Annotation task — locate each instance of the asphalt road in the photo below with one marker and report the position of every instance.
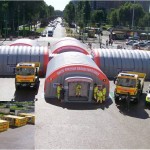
(91, 126)
(18, 138)
(61, 125)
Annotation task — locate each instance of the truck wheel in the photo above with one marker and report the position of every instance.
(137, 99)
(116, 99)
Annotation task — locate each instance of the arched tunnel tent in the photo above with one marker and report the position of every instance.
(69, 45)
(24, 42)
(66, 39)
(11, 55)
(112, 61)
(70, 68)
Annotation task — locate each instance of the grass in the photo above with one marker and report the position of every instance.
(39, 30)
(17, 108)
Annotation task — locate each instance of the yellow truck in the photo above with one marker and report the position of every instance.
(129, 83)
(4, 125)
(27, 74)
(30, 117)
(15, 121)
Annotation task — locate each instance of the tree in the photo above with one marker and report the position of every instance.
(69, 13)
(97, 16)
(86, 12)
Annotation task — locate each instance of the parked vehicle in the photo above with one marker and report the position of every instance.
(131, 42)
(27, 74)
(131, 83)
(147, 43)
(43, 34)
(140, 44)
(134, 38)
(50, 33)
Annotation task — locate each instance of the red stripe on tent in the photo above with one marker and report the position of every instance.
(75, 68)
(20, 44)
(46, 60)
(96, 57)
(75, 48)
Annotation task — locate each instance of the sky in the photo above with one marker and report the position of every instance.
(57, 4)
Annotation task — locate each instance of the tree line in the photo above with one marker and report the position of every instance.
(26, 13)
(81, 13)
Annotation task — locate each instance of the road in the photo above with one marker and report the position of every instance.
(92, 126)
(18, 138)
(72, 125)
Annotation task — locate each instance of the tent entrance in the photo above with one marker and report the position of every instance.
(85, 92)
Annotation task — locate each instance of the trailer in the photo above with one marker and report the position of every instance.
(70, 68)
(4, 125)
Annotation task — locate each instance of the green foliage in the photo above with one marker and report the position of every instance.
(97, 16)
(69, 13)
(16, 13)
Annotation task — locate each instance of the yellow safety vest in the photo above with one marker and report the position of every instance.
(95, 89)
(58, 89)
(104, 91)
(78, 87)
(99, 94)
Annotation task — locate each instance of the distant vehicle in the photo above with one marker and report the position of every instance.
(43, 34)
(134, 38)
(50, 33)
(131, 42)
(147, 43)
(140, 44)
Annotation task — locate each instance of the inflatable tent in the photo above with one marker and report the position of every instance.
(11, 55)
(24, 42)
(112, 61)
(70, 68)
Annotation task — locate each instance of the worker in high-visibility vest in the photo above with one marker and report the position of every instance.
(99, 96)
(59, 88)
(95, 91)
(78, 89)
(104, 92)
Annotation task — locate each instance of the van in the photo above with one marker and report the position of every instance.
(50, 33)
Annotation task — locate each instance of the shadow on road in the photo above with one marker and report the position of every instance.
(135, 110)
(80, 105)
(25, 94)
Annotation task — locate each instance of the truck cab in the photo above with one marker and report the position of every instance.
(129, 83)
(27, 74)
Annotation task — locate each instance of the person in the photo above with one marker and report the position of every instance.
(95, 91)
(59, 88)
(78, 89)
(106, 43)
(62, 93)
(99, 96)
(90, 45)
(128, 101)
(104, 92)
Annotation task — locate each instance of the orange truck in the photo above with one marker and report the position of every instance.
(129, 83)
(27, 74)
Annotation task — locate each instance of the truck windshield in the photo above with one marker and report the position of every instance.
(126, 82)
(25, 71)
